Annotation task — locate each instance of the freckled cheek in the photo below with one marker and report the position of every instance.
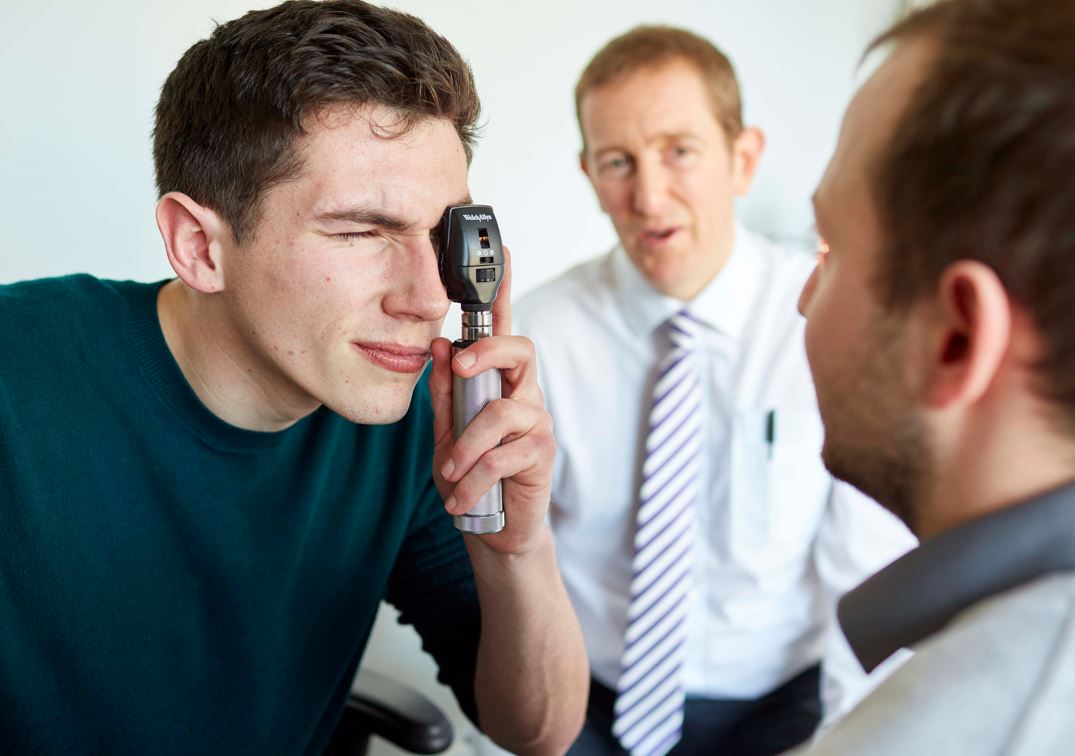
(366, 282)
(297, 301)
(282, 268)
(291, 301)
(344, 297)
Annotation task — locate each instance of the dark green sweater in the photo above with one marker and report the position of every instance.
(172, 584)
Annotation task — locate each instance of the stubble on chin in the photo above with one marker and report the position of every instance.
(890, 470)
(875, 437)
(374, 405)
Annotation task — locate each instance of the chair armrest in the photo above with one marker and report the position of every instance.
(381, 706)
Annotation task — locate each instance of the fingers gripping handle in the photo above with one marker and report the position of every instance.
(469, 396)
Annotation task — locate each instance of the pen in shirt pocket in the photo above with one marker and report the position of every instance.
(770, 431)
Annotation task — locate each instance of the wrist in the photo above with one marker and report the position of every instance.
(493, 557)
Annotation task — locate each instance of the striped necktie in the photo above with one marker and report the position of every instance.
(648, 713)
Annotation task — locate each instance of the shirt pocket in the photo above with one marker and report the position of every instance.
(778, 488)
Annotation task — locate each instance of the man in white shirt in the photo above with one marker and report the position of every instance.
(701, 539)
(941, 338)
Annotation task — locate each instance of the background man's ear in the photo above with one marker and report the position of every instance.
(972, 334)
(195, 239)
(747, 150)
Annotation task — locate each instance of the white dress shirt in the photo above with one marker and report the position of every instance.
(777, 541)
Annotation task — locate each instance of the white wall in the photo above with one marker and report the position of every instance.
(79, 82)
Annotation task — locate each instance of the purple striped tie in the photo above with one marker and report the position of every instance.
(648, 714)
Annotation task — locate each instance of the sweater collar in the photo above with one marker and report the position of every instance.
(163, 374)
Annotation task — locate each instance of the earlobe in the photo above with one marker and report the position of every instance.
(194, 237)
(974, 333)
(746, 155)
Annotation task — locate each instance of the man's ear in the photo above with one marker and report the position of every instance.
(746, 155)
(971, 334)
(195, 239)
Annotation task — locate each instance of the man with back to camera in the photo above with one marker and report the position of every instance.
(208, 484)
(940, 336)
(701, 540)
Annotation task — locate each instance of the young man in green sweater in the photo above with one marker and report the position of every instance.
(207, 485)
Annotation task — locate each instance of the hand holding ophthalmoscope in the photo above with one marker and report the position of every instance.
(510, 440)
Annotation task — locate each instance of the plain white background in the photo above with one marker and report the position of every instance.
(79, 82)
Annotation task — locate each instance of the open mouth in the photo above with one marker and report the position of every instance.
(658, 235)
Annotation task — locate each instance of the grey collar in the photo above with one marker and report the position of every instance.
(917, 595)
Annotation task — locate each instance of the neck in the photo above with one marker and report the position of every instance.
(994, 463)
(229, 378)
(720, 258)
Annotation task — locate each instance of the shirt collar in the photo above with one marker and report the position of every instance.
(724, 304)
(919, 593)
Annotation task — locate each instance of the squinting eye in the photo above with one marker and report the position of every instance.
(354, 235)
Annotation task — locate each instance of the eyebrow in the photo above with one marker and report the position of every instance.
(365, 216)
(607, 150)
(368, 216)
(668, 136)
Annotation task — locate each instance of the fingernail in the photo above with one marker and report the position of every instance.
(448, 469)
(465, 359)
(449, 505)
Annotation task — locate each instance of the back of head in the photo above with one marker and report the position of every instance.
(982, 163)
(648, 47)
(229, 113)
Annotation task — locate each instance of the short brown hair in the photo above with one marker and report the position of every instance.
(982, 166)
(231, 110)
(652, 46)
